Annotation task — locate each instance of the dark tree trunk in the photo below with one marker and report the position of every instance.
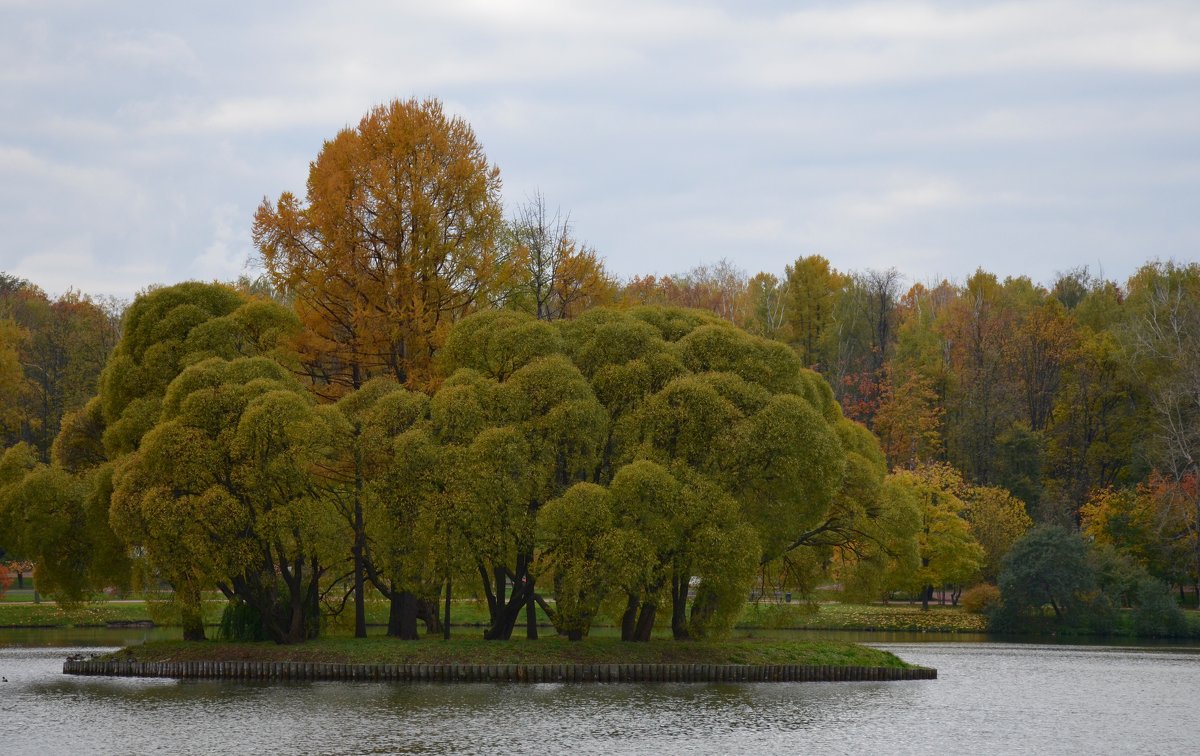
(193, 625)
(505, 612)
(427, 612)
(926, 594)
(574, 635)
(629, 619)
(402, 616)
(645, 623)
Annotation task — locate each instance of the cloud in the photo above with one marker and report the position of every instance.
(920, 133)
(224, 259)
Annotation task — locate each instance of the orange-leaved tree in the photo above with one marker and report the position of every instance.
(396, 239)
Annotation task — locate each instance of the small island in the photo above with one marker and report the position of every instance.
(472, 660)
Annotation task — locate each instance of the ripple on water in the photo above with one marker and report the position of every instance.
(989, 698)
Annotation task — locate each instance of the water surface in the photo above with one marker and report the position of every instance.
(989, 698)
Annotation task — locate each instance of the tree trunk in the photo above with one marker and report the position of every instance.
(360, 607)
(926, 594)
(193, 625)
(427, 612)
(574, 635)
(402, 616)
(645, 623)
(629, 619)
(446, 621)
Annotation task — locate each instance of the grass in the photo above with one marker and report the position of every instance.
(95, 613)
(882, 617)
(551, 650)
(471, 614)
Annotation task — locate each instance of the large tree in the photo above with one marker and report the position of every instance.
(396, 238)
(1164, 337)
(220, 493)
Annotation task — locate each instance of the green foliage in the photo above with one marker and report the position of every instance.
(579, 553)
(1049, 567)
(220, 491)
(1156, 614)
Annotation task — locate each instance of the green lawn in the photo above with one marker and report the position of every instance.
(550, 650)
(469, 615)
(890, 617)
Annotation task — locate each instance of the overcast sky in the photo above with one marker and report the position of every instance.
(137, 138)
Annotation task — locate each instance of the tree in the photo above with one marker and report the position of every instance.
(585, 555)
(1047, 567)
(220, 494)
(1164, 337)
(386, 483)
(981, 404)
(1043, 341)
(909, 422)
(530, 427)
(767, 300)
(997, 520)
(559, 275)
(1150, 523)
(51, 354)
(812, 286)
(165, 331)
(1096, 426)
(397, 239)
(948, 552)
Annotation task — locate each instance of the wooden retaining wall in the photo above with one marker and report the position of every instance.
(534, 673)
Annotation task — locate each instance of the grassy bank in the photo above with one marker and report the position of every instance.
(868, 617)
(470, 615)
(553, 650)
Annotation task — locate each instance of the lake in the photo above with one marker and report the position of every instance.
(989, 698)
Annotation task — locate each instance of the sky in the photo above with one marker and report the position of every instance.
(1026, 138)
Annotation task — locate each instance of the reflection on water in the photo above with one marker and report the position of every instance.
(49, 637)
(989, 698)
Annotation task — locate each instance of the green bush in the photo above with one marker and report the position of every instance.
(1156, 613)
(982, 599)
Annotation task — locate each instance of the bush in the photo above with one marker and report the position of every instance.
(1156, 613)
(982, 599)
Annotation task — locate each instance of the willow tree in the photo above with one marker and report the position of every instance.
(747, 460)
(220, 493)
(526, 426)
(394, 241)
(164, 331)
(388, 481)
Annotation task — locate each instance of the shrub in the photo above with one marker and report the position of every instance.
(982, 599)
(1156, 613)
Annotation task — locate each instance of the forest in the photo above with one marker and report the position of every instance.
(425, 395)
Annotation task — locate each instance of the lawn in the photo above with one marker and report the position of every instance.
(549, 650)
